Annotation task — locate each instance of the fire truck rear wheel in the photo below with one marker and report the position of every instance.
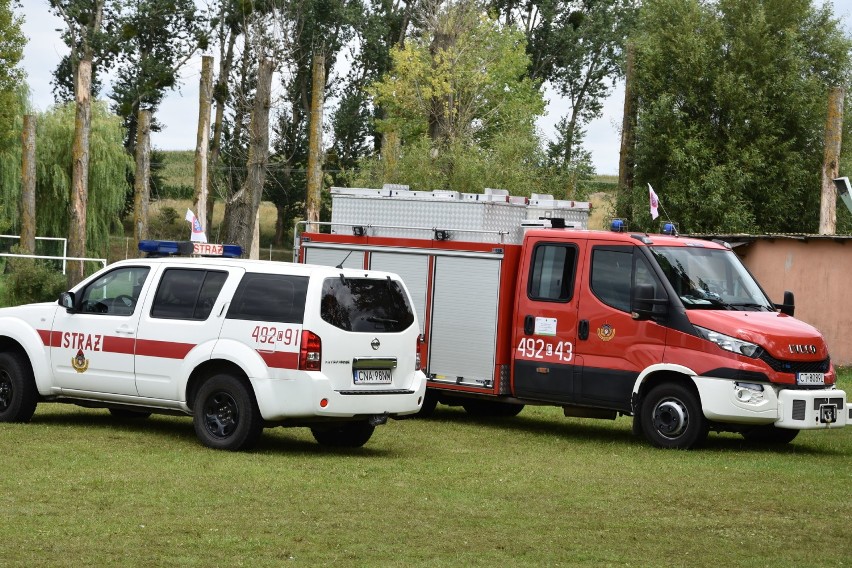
(671, 417)
(769, 434)
(18, 393)
(225, 414)
(343, 435)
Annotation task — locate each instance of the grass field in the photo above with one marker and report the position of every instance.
(82, 489)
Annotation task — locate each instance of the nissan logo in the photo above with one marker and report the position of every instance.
(375, 344)
(803, 349)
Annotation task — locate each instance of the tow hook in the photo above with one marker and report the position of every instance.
(378, 419)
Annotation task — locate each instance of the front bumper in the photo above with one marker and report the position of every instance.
(737, 402)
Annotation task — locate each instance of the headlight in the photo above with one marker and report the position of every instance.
(729, 343)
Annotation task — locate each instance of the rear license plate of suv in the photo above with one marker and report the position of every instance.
(810, 378)
(372, 376)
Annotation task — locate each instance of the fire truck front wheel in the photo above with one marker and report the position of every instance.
(225, 414)
(18, 393)
(671, 417)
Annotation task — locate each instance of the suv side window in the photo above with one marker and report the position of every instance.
(187, 293)
(270, 297)
(612, 271)
(114, 293)
(365, 304)
(552, 272)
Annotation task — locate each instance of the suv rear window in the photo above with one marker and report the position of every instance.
(365, 304)
(270, 297)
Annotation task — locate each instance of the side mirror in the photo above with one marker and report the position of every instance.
(66, 300)
(643, 303)
(789, 304)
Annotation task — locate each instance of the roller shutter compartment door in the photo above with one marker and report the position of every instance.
(464, 319)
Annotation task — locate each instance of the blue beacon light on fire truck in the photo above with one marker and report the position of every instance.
(187, 248)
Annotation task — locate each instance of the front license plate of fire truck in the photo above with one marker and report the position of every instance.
(810, 378)
(372, 376)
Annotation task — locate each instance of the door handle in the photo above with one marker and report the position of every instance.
(529, 325)
(583, 330)
(125, 331)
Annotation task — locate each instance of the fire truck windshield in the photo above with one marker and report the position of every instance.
(710, 279)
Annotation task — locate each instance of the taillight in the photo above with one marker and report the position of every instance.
(310, 353)
(417, 352)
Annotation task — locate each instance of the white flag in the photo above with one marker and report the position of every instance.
(655, 202)
(197, 232)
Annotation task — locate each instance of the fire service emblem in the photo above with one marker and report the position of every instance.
(606, 332)
(79, 362)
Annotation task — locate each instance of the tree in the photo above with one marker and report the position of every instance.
(13, 98)
(577, 46)
(107, 173)
(463, 108)
(731, 110)
(155, 39)
(314, 26)
(383, 26)
(84, 35)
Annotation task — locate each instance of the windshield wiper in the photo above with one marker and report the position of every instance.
(706, 303)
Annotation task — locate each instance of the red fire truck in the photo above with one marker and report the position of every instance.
(519, 304)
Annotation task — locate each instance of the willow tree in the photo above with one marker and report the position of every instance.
(12, 100)
(109, 165)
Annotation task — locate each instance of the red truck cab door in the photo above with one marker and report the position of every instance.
(617, 347)
(545, 323)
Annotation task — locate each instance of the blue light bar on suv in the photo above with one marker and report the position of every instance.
(186, 248)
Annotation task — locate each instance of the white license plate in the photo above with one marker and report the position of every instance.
(810, 378)
(372, 376)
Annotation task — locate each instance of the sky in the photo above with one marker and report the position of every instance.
(179, 111)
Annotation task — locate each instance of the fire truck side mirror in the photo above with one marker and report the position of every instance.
(788, 307)
(643, 302)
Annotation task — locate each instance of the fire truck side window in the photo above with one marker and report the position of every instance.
(552, 272)
(187, 293)
(270, 297)
(611, 276)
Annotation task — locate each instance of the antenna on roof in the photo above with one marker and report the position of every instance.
(345, 258)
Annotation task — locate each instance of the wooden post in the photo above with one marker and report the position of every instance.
(626, 163)
(141, 185)
(314, 196)
(28, 185)
(202, 146)
(831, 162)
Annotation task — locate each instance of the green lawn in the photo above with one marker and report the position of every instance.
(80, 488)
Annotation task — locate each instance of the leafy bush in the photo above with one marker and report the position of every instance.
(168, 215)
(28, 280)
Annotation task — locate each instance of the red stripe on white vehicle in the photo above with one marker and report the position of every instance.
(280, 359)
(164, 349)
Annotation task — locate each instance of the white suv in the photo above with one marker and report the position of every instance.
(238, 344)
